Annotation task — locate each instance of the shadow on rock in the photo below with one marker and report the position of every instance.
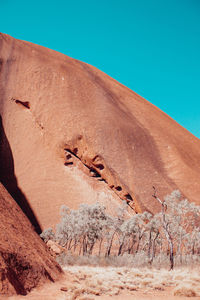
(9, 180)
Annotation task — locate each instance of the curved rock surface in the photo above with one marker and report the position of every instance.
(75, 135)
(24, 260)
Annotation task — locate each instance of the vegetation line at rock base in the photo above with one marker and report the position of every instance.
(171, 236)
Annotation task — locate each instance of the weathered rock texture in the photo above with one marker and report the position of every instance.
(24, 260)
(76, 135)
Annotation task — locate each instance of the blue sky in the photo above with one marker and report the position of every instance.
(151, 46)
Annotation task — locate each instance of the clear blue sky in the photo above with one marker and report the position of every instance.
(151, 46)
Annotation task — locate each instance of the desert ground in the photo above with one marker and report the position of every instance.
(91, 283)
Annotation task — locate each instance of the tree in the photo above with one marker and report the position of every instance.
(176, 228)
(165, 225)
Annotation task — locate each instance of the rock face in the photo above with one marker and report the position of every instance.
(24, 260)
(72, 135)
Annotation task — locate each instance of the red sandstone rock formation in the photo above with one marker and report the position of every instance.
(72, 134)
(24, 260)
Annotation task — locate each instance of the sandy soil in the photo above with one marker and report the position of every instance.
(87, 283)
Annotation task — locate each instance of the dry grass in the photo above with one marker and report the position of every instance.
(92, 283)
(112, 281)
(139, 260)
(185, 290)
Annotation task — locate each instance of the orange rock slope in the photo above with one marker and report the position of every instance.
(73, 135)
(24, 260)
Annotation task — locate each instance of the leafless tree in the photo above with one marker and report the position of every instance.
(165, 226)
